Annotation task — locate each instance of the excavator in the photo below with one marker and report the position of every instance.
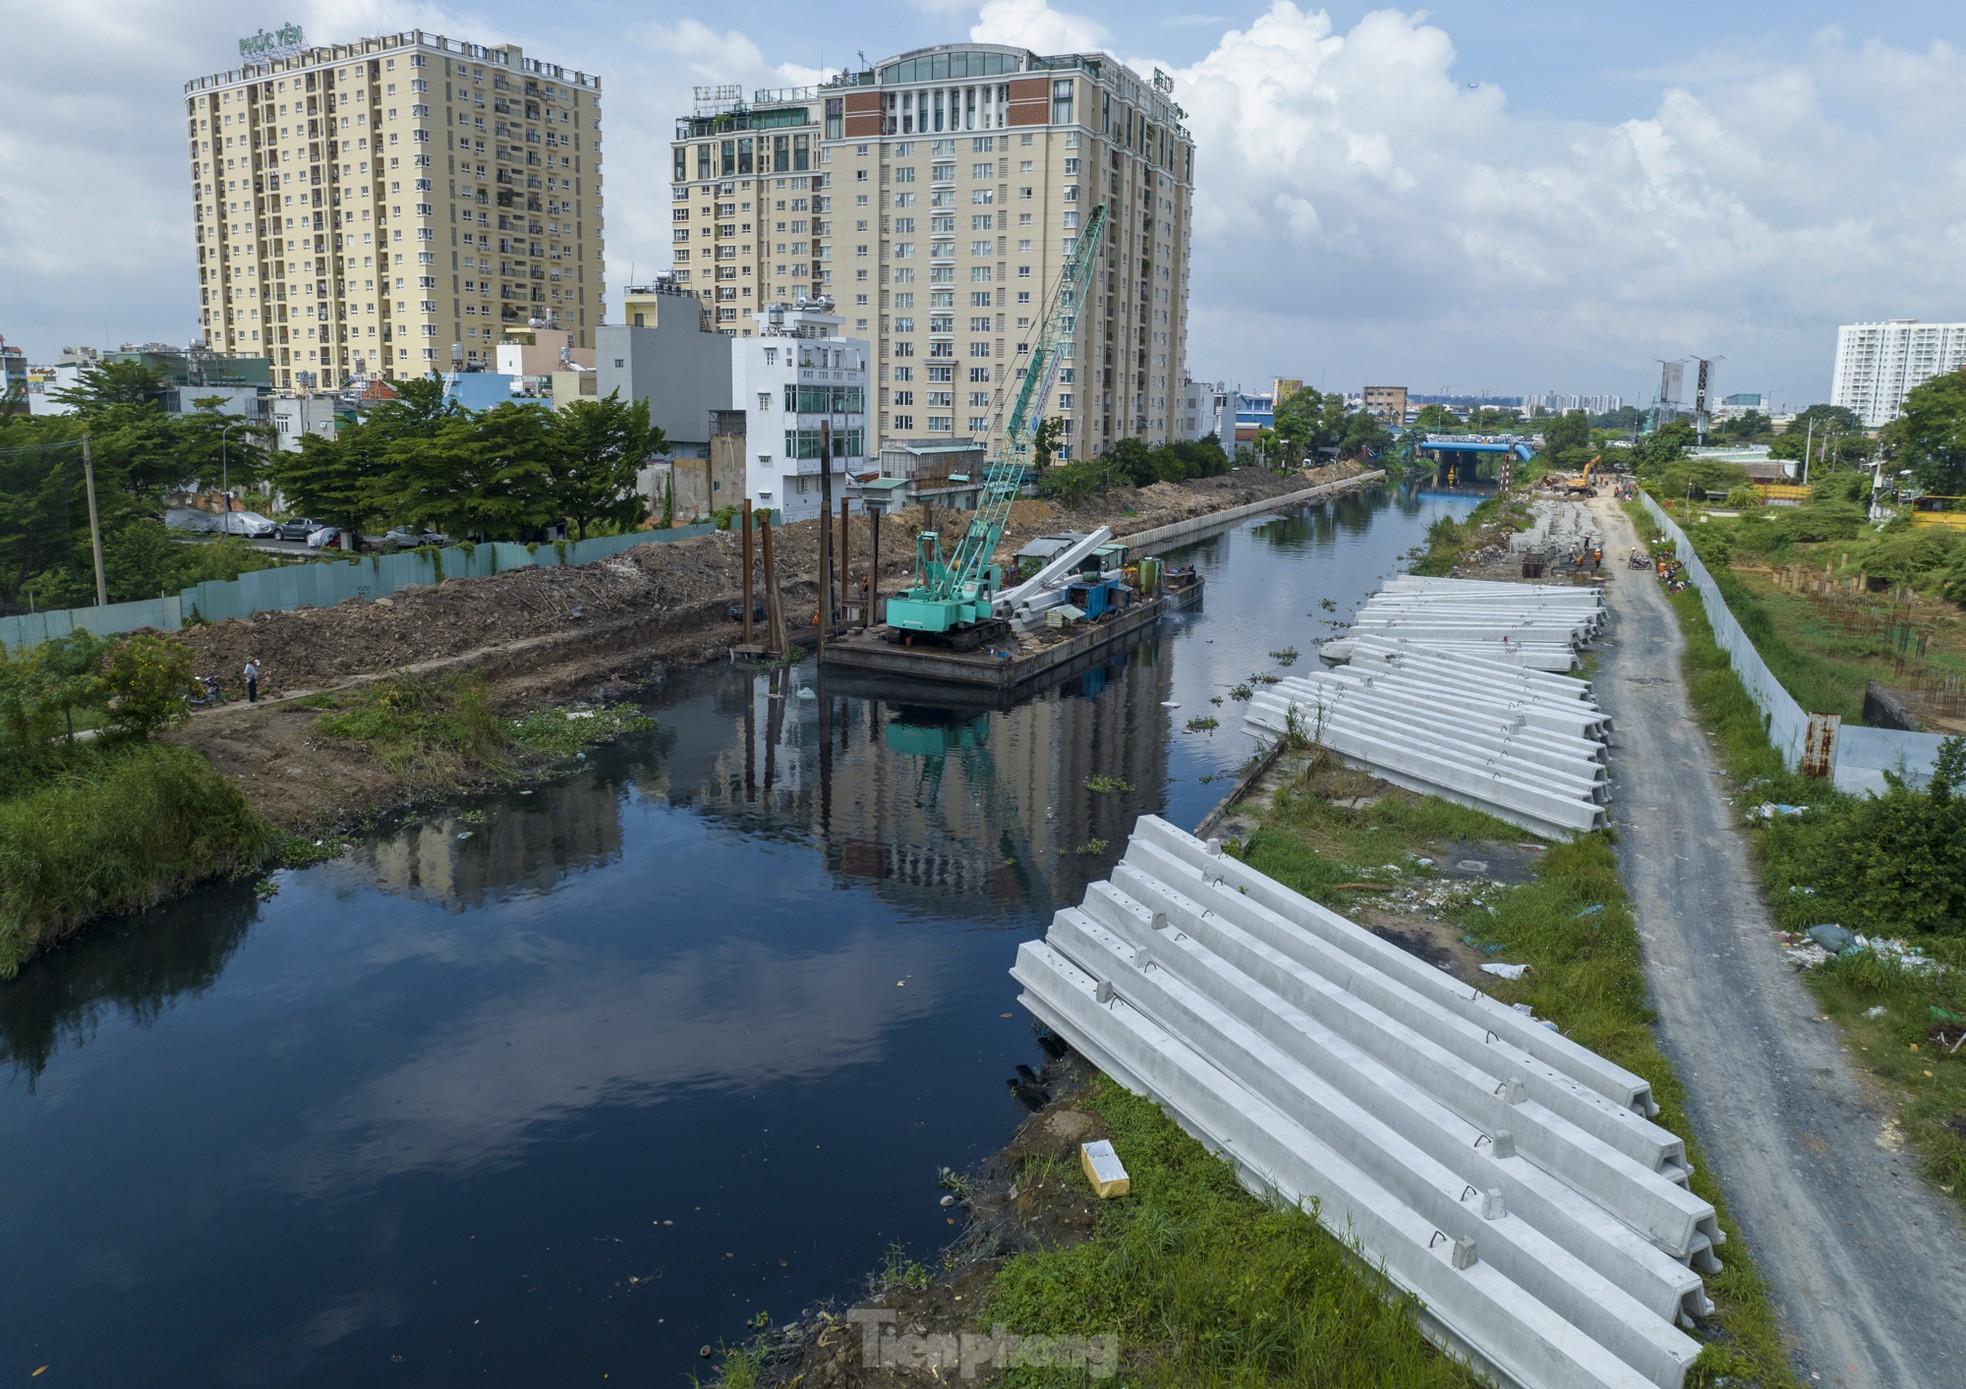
(1580, 486)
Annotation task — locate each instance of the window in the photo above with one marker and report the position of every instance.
(979, 274)
(979, 400)
(982, 221)
(904, 226)
(940, 424)
(904, 324)
(1024, 166)
(908, 373)
(982, 197)
(979, 374)
(904, 423)
(979, 299)
(979, 424)
(980, 324)
(984, 144)
(941, 374)
(1023, 219)
(904, 174)
(907, 349)
(944, 400)
(904, 397)
(941, 349)
(942, 173)
(1024, 271)
(979, 349)
(980, 248)
(904, 199)
(987, 169)
(1071, 166)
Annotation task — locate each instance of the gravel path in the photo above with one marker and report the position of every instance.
(1867, 1263)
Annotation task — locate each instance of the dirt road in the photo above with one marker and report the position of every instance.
(1866, 1262)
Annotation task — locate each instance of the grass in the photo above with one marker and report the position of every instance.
(1206, 1285)
(120, 827)
(1449, 541)
(1929, 1083)
(440, 734)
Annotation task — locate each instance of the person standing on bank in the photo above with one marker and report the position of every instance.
(252, 681)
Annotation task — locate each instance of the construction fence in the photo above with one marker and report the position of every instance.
(1855, 757)
(321, 585)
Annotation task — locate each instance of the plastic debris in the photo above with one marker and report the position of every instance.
(1876, 1010)
(805, 692)
(1589, 911)
(1506, 971)
(1768, 810)
(1831, 937)
(465, 835)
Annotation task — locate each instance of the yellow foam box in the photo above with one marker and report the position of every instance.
(1103, 1169)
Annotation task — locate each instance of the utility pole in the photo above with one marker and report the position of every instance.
(1808, 442)
(825, 534)
(95, 525)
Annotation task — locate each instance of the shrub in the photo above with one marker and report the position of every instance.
(146, 677)
(122, 828)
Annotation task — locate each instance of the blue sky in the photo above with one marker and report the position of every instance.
(1532, 196)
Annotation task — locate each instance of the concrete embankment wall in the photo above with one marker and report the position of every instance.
(320, 585)
(1858, 757)
(1196, 525)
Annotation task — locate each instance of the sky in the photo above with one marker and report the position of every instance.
(1547, 195)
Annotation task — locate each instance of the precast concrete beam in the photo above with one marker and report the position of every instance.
(1471, 1306)
(1628, 1089)
(1630, 1307)
(1320, 1009)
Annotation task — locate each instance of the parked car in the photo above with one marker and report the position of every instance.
(326, 538)
(250, 524)
(408, 538)
(296, 530)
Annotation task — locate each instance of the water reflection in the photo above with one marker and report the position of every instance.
(136, 967)
(433, 1105)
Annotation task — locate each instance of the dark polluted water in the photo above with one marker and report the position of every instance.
(569, 1083)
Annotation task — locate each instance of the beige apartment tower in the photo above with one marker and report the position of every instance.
(934, 197)
(394, 206)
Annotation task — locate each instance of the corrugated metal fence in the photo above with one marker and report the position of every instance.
(1858, 756)
(321, 585)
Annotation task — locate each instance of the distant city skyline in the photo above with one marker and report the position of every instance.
(1553, 193)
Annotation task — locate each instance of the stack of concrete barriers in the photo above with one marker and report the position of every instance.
(1525, 746)
(1538, 626)
(1510, 1179)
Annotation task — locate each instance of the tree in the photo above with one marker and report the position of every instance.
(595, 453)
(1666, 444)
(1131, 459)
(1434, 419)
(108, 384)
(1929, 437)
(1045, 443)
(1570, 430)
(484, 475)
(1363, 435)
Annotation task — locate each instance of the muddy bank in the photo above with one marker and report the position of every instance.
(594, 633)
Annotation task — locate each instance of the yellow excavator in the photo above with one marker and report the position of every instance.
(1580, 486)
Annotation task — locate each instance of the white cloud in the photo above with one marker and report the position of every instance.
(1033, 24)
(1411, 224)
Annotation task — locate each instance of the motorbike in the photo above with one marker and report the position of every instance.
(207, 695)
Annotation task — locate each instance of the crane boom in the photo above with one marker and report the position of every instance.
(955, 591)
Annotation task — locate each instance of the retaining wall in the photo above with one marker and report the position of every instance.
(1195, 525)
(1859, 756)
(321, 585)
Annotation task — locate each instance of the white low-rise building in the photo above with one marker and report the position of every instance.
(794, 374)
(1878, 363)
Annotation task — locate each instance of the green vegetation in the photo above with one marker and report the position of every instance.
(1450, 542)
(440, 735)
(124, 825)
(1202, 724)
(1103, 784)
(138, 452)
(1205, 1284)
(1841, 862)
(1130, 464)
(502, 474)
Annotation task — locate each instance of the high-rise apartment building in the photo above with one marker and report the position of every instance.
(1878, 363)
(393, 206)
(935, 197)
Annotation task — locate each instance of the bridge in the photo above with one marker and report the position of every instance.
(1449, 443)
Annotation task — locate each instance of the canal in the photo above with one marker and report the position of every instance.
(566, 1083)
